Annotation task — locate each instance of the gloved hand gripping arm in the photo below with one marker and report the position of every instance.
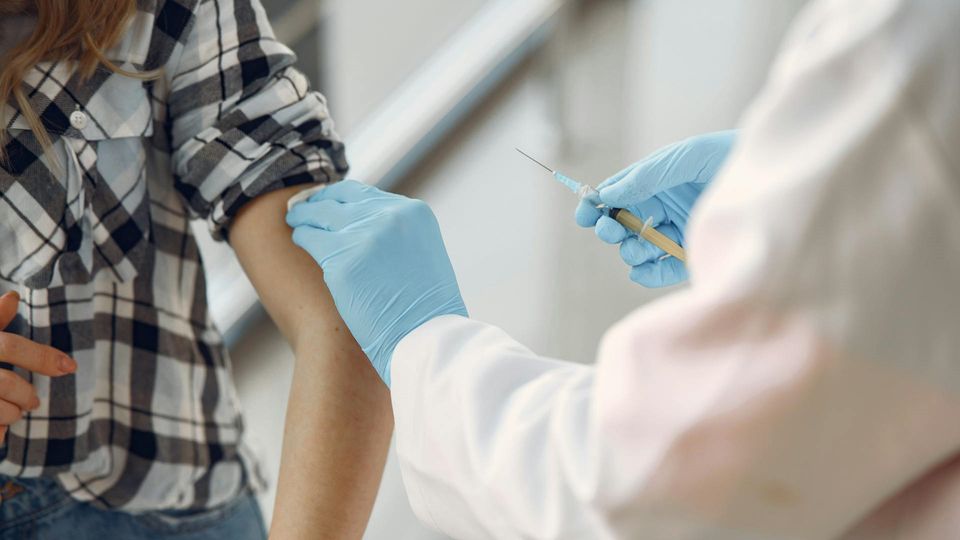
(384, 261)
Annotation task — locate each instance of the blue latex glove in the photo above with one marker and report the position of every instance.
(383, 260)
(664, 186)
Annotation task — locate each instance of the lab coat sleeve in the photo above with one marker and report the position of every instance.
(807, 375)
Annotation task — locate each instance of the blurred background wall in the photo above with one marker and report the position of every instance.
(611, 81)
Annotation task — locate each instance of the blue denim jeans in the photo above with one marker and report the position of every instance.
(38, 508)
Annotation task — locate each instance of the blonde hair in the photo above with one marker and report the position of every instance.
(73, 30)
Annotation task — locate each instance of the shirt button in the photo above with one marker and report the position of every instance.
(78, 119)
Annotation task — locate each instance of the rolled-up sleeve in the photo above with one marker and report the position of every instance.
(242, 120)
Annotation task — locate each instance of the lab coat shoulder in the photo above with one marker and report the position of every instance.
(836, 221)
(913, 43)
(842, 199)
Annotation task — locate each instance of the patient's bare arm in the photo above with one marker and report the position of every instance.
(339, 420)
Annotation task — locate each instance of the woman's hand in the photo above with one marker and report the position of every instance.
(16, 394)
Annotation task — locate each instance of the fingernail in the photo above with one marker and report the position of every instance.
(66, 364)
(35, 404)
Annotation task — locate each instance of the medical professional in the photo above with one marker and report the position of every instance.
(806, 384)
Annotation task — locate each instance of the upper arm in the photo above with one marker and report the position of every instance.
(288, 281)
(338, 420)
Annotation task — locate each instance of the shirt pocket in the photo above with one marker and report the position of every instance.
(82, 207)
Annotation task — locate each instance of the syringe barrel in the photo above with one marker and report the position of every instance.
(655, 237)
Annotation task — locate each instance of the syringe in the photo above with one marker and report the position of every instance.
(626, 218)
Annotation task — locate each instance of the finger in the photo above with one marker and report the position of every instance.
(652, 209)
(17, 390)
(320, 244)
(313, 214)
(3, 433)
(694, 160)
(659, 273)
(647, 177)
(670, 231)
(587, 214)
(634, 184)
(711, 151)
(9, 413)
(9, 303)
(32, 356)
(332, 215)
(348, 191)
(635, 251)
(610, 231)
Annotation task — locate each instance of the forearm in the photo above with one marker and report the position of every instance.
(336, 438)
(338, 418)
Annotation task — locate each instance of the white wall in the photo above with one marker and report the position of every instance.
(695, 65)
(371, 46)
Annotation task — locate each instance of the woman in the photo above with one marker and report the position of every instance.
(124, 119)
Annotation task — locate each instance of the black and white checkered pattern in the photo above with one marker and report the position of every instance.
(95, 237)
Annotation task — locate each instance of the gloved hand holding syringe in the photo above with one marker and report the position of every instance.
(635, 223)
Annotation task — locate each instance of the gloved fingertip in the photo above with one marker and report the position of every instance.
(317, 195)
(308, 234)
(675, 271)
(610, 231)
(622, 194)
(635, 252)
(345, 191)
(586, 215)
(646, 275)
(333, 191)
(296, 215)
(641, 277)
(659, 273)
(300, 233)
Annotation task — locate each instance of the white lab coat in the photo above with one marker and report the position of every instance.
(807, 383)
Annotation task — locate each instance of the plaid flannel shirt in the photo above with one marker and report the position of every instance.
(96, 238)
